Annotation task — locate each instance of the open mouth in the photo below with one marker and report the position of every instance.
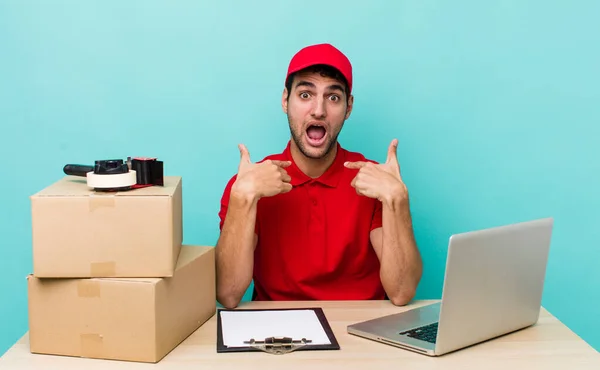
(316, 134)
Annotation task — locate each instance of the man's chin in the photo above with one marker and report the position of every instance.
(312, 154)
(319, 152)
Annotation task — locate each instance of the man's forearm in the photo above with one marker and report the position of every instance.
(401, 265)
(235, 250)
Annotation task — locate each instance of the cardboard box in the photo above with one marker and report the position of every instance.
(78, 232)
(135, 319)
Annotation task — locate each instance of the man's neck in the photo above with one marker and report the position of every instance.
(311, 167)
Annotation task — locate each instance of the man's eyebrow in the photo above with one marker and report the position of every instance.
(335, 87)
(305, 83)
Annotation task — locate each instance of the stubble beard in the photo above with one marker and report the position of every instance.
(297, 137)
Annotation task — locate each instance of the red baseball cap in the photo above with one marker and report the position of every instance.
(321, 54)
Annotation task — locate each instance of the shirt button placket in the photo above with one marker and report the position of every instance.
(317, 222)
(312, 194)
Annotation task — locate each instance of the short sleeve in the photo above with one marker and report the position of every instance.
(376, 221)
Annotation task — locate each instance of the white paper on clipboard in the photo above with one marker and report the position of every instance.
(240, 326)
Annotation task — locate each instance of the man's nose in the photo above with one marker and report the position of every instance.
(319, 108)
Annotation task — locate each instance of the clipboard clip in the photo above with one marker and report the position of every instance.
(278, 345)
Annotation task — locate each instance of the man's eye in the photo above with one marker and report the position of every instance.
(334, 97)
(304, 95)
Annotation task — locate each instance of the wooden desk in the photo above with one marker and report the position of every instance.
(547, 345)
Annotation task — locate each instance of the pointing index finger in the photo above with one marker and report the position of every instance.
(281, 164)
(355, 165)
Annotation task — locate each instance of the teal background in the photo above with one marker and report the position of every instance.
(495, 105)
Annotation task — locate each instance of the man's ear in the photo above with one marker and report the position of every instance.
(284, 100)
(350, 105)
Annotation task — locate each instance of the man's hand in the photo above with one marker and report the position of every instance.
(380, 181)
(257, 180)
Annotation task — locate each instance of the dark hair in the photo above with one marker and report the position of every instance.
(324, 71)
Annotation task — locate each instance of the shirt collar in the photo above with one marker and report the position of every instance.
(330, 177)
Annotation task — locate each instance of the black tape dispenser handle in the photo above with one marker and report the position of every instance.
(77, 169)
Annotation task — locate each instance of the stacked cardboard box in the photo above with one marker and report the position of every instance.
(111, 279)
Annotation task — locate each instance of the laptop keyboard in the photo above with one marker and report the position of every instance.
(427, 333)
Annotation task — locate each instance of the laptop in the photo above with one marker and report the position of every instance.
(493, 285)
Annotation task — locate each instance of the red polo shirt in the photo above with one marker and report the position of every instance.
(313, 242)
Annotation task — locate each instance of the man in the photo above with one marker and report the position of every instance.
(317, 222)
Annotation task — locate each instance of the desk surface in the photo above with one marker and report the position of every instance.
(547, 345)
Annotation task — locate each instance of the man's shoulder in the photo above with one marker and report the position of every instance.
(351, 156)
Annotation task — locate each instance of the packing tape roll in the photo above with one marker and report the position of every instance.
(111, 181)
(103, 269)
(92, 345)
(88, 289)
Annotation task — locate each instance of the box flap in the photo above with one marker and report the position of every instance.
(130, 280)
(77, 186)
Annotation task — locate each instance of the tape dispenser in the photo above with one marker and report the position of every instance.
(119, 175)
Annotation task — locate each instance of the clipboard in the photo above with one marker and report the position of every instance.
(277, 342)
